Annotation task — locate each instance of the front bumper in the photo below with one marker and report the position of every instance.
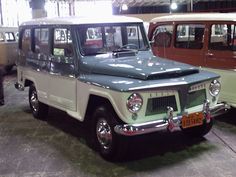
(170, 123)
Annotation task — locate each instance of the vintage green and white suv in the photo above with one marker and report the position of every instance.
(101, 71)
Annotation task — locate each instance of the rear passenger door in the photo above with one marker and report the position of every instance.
(37, 58)
(189, 45)
(62, 82)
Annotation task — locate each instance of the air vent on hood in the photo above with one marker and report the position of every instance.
(172, 74)
(124, 53)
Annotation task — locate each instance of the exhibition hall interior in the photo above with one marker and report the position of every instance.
(112, 88)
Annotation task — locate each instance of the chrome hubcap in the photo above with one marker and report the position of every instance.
(34, 101)
(104, 133)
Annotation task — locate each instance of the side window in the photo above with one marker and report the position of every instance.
(26, 41)
(62, 43)
(41, 36)
(189, 36)
(2, 37)
(10, 37)
(62, 62)
(162, 36)
(223, 37)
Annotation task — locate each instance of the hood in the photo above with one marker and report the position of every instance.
(140, 66)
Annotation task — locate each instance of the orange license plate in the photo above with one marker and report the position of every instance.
(192, 120)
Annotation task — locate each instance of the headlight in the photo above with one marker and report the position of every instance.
(214, 88)
(134, 103)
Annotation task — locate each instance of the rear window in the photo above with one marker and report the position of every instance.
(223, 37)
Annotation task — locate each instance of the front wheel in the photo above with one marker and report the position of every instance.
(39, 110)
(110, 145)
(198, 131)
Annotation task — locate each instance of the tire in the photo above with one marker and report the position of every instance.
(39, 110)
(198, 131)
(110, 145)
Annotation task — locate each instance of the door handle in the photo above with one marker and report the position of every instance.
(210, 54)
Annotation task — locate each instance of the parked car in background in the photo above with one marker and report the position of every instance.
(207, 40)
(8, 47)
(102, 71)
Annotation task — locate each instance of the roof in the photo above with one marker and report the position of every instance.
(81, 20)
(197, 17)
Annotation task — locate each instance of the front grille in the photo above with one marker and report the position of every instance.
(196, 98)
(159, 105)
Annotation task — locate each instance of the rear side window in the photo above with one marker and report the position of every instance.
(189, 36)
(62, 49)
(26, 41)
(223, 37)
(62, 43)
(41, 36)
(162, 36)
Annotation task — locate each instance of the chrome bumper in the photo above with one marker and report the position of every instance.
(219, 109)
(144, 128)
(170, 123)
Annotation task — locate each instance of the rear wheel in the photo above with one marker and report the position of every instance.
(39, 110)
(110, 145)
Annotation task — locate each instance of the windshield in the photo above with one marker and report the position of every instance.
(104, 38)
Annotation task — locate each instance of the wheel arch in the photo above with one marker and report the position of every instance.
(28, 83)
(95, 101)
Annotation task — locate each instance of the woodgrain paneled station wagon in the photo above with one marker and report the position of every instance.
(207, 40)
(99, 72)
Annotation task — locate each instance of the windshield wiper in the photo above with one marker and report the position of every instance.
(123, 50)
(95, 53)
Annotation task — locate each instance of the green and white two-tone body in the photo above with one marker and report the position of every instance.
(102, 71)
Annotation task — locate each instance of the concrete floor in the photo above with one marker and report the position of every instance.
(57, 147)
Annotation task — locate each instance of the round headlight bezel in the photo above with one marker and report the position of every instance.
(214, 88)
(134, 103)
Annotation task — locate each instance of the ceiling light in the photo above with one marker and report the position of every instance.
(124, 7)
(173, 6)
